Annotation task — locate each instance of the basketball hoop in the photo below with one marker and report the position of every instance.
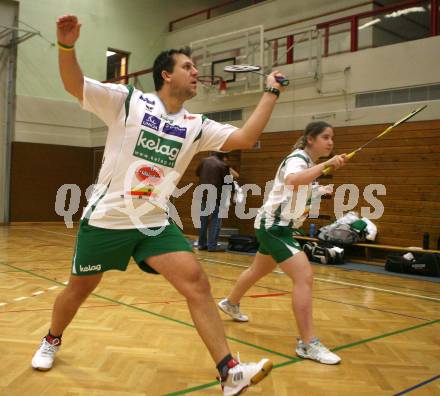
(213, 82)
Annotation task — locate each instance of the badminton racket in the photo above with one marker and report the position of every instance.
(328, 169)
(254, 69)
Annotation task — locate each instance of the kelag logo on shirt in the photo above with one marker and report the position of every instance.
(155, 149)
(151, 121)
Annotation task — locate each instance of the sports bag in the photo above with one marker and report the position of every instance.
(243, 243)
(324, 254)
(339, 234)
(427, 264)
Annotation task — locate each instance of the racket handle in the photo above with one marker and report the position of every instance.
(327, 170)
(283, 81)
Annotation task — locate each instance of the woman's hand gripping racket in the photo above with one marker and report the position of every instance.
(253, 69)
(329, 169)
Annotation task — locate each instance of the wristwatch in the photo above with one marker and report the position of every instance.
(273, 90)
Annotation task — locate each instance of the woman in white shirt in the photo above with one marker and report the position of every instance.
(283, 212)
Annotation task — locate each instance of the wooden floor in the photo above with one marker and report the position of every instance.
(134, 336)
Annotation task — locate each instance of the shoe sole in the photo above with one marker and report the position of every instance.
(227, 313)
(262, 374)
(41, 368)
(315, 360)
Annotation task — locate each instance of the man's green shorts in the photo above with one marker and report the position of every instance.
(278, 242)
(99, 249)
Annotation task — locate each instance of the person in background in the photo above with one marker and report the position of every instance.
(212, 171)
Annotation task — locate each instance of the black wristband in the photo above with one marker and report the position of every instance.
(273, 90)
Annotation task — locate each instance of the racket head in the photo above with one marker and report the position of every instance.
(403, 119)
(410, 115)
(241, 68)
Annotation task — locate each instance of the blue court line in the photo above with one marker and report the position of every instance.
(418, 385)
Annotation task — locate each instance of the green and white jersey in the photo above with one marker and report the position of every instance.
(146, 153)
(283, 206)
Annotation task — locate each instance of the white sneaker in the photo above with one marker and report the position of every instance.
(243, 375)
(232, 310)
(316, 351)
(45, 355)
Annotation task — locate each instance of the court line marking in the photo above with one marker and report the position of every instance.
(182, 301)
(342, 270)
(336, 282)
(35, 294)
(201, 258)
(154, 313)
(20, 298)
(418, 385)
(53, 232)
(327, 299)
(297, 359)
(284, 292)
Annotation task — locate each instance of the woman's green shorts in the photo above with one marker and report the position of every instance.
(278, 242)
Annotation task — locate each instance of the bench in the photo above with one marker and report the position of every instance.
(367, 247)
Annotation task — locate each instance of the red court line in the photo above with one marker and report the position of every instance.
(93, 306)
(268, 295)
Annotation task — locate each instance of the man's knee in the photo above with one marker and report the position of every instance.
(197, 285)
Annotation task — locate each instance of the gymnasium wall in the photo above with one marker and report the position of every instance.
(3, 132)
(48, 116)
(333, 96)
(8, 17)
(38, 171)
(406, 162)
(269, 14)
(135, 26)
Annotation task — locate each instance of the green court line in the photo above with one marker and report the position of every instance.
(194, 389)
(297, 359)
(152, 313)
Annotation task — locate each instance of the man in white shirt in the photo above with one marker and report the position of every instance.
(151, 140)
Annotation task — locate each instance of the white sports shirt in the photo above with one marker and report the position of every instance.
(283, 206)
(146, 153)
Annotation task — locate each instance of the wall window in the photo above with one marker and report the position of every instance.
(117, 65)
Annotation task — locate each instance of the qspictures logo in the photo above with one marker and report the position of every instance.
(155, 149)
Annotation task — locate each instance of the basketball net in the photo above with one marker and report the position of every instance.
(222, 86)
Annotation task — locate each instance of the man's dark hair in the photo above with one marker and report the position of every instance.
(166, 61)
(220, 156)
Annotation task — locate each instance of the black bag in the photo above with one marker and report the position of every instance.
(243, 243)
(427, 264)
(324, 254)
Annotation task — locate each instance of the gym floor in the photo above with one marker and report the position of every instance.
(134, 335)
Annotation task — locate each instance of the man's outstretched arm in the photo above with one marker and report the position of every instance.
(67, 34)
